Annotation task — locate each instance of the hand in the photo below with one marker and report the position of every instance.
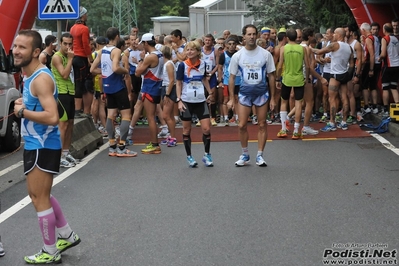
(230, 104)
(142, 55)
(18, 104)
(71, 53)
(166, 100)
(134, 60)
(272, 104)
(210, 99)
(355, 80)
(278, 85)
(103, 97)
(130, 96)
(181, 107)
(371, 73)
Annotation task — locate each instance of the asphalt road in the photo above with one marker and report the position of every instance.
(154, 210)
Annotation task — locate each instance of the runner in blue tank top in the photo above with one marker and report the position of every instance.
(42, 152)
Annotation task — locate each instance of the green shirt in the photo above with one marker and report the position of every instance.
(65, 86)
(293, 65)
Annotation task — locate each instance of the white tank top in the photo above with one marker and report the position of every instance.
(165, 76)
(340, 58)
(352, 44)
(392, 58)
(327, 66)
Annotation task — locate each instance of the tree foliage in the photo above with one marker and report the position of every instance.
(329, 13)
(278, 13)
(315, 13)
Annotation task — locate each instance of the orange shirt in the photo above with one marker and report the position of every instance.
(81, 40)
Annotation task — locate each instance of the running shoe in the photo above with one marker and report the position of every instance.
(296, 135)
(233, 119)
(198, 124)
(375, 110)
(366, 111)
(172, 142)
(359, 117)
(255, 119)
(243, 160)
(111, 151)
(65, 164)
(64, 244)
(42, 257)
(323, 119)
(309, 131)
(350, 120)
(213, 122)
(260, 161)
(165, 141)
(207, 160)
(338, 118)
(226, 123)
(151, 149)
(102, 131)
(125, 153)
(163, 135)
(191, 162)
(2, 252)
(282, 133)
(129, 141)
(71, 159)
(342, 126)
(329, 127)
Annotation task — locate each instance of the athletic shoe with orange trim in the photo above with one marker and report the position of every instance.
(296, 135)
(282, 133)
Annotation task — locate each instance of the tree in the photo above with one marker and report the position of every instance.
(278, 13)
(329, 13)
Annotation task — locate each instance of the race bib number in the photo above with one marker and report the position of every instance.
(208, 66)
(252, 75)
(195, 91)
(71, 75)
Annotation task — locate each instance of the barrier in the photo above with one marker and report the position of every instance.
(85, 138)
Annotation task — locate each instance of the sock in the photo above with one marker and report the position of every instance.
(110, 128)
(283, 116)
(164, 129)
(124, 128)
(325, 114)
(226, 117)
(65, 232)
(296, 127)
(187, 144)
(260, 153)
(60, 220)
(206, 139)
(47, 223)
(65, 152)
(130, 132)
(245, 150)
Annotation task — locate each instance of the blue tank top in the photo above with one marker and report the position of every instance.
(226, 73)
(38, 136)
(152, 79)
(112, 82)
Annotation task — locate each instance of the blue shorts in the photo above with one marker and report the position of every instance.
(249, 100)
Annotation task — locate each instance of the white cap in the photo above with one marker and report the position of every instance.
(147, 37)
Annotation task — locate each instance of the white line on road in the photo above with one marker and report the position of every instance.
(10, 168)
(385, 143)
(25, 201)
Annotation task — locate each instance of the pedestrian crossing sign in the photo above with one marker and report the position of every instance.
(58, 9)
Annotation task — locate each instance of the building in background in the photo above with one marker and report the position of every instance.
(215, 16)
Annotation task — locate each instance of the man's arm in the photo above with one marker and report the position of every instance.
(145, 64)
(370, 49)
(332, 47)
(57, 63)
(43, 88)
(94, 69)
(280, 64)
(86, 44)
(116, 57)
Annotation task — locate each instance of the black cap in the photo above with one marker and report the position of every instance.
(101, 40)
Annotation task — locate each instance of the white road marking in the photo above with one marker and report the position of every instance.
(10, 168)
(385, 143)
(25, 201)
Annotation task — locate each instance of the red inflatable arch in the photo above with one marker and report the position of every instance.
(381, 11)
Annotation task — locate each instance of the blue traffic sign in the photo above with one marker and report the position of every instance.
(58, 9)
